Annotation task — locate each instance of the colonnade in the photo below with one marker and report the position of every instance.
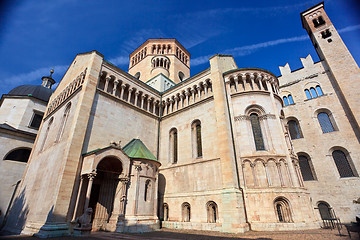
(251, 81)
(126, 92)
(181, 55)
(161, 49)
(160, 61)
(139, 56)
(187, 97)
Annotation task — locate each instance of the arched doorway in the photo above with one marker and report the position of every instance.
(103, 191)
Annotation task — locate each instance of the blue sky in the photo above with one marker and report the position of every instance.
(38, 35)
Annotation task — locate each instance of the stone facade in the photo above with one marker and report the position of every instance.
(222, 150)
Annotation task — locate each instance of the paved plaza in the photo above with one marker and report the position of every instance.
(167, 234)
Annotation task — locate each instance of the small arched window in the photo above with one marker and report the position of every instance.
(19, 155)
(185, 210)
(181, 76)
(166, 211)
(343, 164)
(196, 138)
(137, 75)
(294, 129)
(319, 91)
(147, 190)
(173, 145)
(307, 93)
(291, 100)
(325, 122)
(212, 212)
(256, 128)
(306, 168)
(313, 92)
(63, 122)
(46, 133)
(286, 102)
(325, 211)
(282, 210)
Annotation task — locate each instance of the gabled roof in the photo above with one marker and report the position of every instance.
(137, 149)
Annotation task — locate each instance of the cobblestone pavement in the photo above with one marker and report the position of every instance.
(168, 234)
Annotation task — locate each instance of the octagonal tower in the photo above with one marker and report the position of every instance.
(165, 56)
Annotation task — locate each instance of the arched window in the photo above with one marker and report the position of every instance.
(306, 168)
(196, 139)
(212, 212)
(166, 211)
(173, 145)
(294, 129)
(313, 92)
(319, 91)
(325, 211)
(181, 76)
(137, 75)
(19, 155)
(47, 133)
(185, 210)
(307, 93)
(286, 102)
(147, 190)
(343, 164)
(291, 100)
(282, 210)
(325, 122)
(63, 122)
(256, 128)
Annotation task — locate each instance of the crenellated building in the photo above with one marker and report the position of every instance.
(229, 149)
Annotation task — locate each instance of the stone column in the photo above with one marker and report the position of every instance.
(268, 178)
(107, 79)
(193, 94)
(236, 80)
(259, 78)
(123, 182)
(187, 97)
(154, 106)
(136, 97)
(148, 103)
(137, 177)
(182, 97)
(142, 101)
(91, 177)
(129, 95)
(123, 86)
(252, 81)
(243, 78)
(171, 103)
(206, 89)
(198, 88)
(116, 82)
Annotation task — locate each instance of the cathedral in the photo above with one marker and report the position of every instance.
(228, 149)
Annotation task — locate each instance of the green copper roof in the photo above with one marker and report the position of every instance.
(137, 149)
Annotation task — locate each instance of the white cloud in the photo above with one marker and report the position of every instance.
(246, 50)
(121, 60)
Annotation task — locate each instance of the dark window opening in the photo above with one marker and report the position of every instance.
(198, 140)
(318, 22)
(258, 138)
(20, 155)
(325, 122)
(36, 120)
(326, 34)
(342, 164)
(305, 168)
(294, 129)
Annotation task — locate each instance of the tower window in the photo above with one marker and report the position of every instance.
(286, 101)
(326, 34)
(196, 139)
(20, 155)
(294, 129)
(342, 163)
(291, 100)
(306, 168)
(325, 122)
(137, 75)
(318, 21)
(181, 76)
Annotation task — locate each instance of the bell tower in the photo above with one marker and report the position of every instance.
(160, 56)
(337, 58)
